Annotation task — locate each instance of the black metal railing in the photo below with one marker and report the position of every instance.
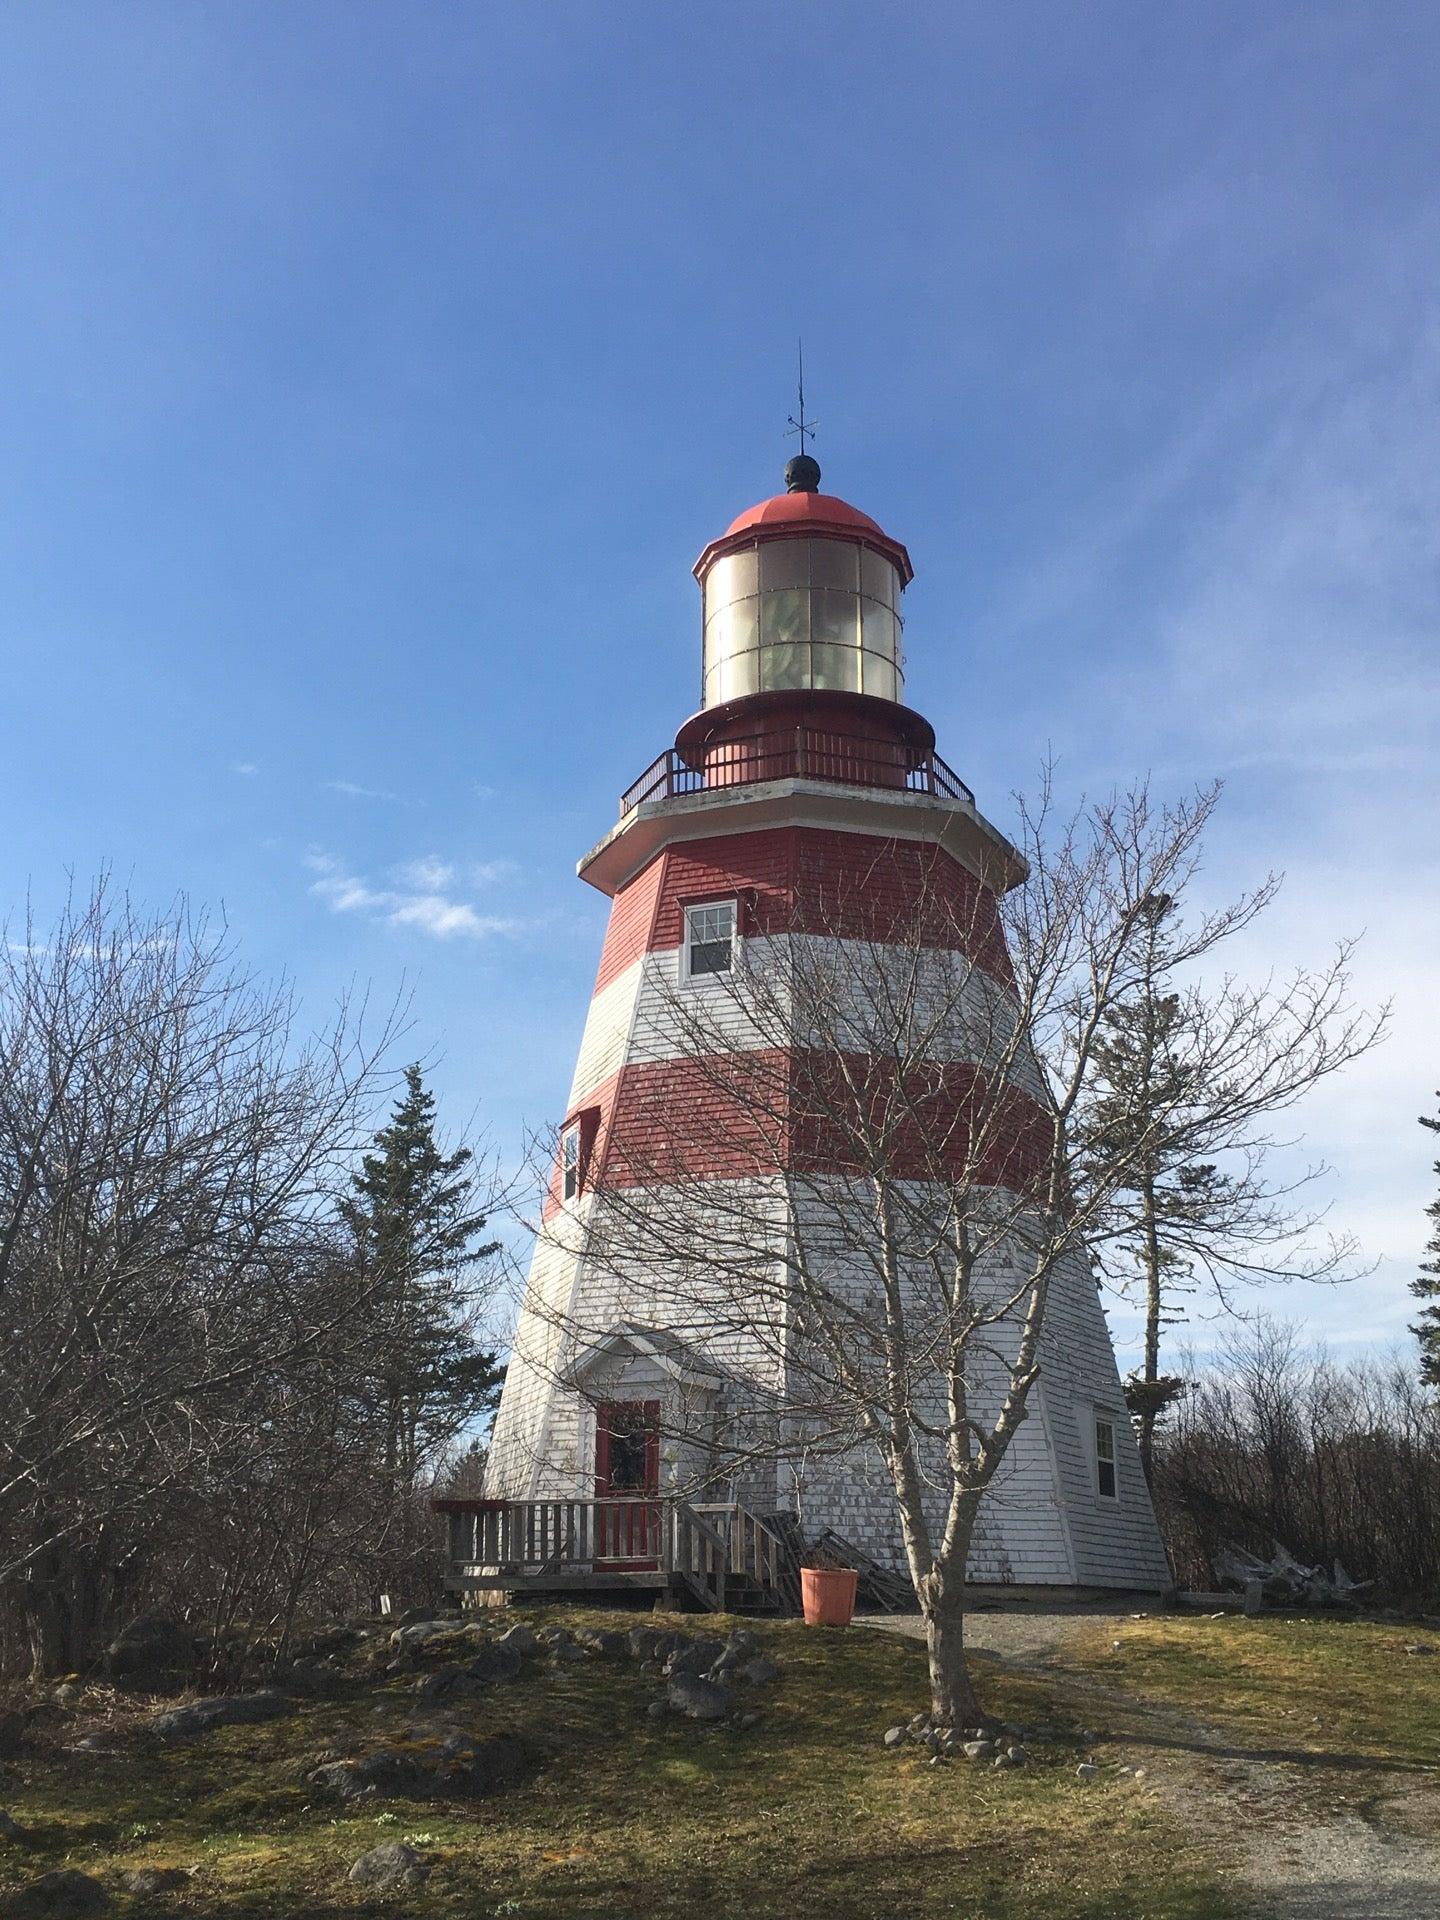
(796, 753)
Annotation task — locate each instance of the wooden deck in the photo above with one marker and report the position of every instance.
(716, 1555)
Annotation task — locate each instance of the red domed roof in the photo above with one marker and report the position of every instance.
(798, 513)
(815, 509)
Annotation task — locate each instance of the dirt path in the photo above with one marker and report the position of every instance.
(1314, 1837)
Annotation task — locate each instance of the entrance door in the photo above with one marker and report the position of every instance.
(627, 1470)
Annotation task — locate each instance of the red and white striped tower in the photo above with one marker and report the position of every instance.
(802, 771)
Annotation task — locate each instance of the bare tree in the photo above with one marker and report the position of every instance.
(858, 1187)
(171, 1150)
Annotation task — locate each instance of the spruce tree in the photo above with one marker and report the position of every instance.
(1186, 1081)
(415, 1223)
(1427, 1287)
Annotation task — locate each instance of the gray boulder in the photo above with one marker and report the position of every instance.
(147, 1881)
(152, 1649)
(896, 1737)
(642, 1642)
(391, 1865)
(978, 1749)
(696, 1698)
(224, 1710)
(455, 1769)
(521, 1638)
(695, 1658)
(496, 1662)
(760, 1671)
(63, 1893)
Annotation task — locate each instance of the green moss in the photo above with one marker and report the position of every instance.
(805, 1812)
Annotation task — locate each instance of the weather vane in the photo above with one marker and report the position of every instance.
(802, 426)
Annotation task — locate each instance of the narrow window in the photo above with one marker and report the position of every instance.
(570, 1161)
(1105, 1459)
(709, 938)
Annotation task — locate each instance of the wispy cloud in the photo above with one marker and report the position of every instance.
(422, 899)
(352, 790)
(246, 767)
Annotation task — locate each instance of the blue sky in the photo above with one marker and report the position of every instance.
(373, 376)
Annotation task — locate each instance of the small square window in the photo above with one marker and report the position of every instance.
(709, 938)
(1105, 1481)
(570, 1162)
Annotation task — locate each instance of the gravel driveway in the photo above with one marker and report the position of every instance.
(1367, 1860)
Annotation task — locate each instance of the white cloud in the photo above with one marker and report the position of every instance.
(420, 901)
(428, 873)
(352, 791)
(246, 767)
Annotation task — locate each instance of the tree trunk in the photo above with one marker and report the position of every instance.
(1153, 1304)
(953, 1700)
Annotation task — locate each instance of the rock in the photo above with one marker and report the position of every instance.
(608, 1641)
(406, 1639)
(658, 1709)
(224, 1710)
(68, 1693)
(1019, 1757)
(336, 1639)
(1086, 1770)
(696, 1698)
(11, 1830)
(456, 1768)
(896, 1737)
(95, 1743)
(520, 1638)
(978, 1749)
(64, 1892)
(391, 1865)
(153, 1648)
(642, 1642)
(695, 1658)
(748, 1720)
(1140, 1774)
(742, 1640)
(1002, 1760)
(152, 1880)
(759, 1671)
(494, 1664)
(442, 1683)
(937, 1760)
(568, 1651)
(555, 1637)
(1417, 1648)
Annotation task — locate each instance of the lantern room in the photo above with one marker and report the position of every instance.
(803, 592)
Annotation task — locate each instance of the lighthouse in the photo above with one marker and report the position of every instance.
(802, 777)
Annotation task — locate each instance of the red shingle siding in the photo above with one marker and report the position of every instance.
(809, 879)
(748, 1115)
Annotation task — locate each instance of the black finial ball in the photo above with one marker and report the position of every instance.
(802, 474)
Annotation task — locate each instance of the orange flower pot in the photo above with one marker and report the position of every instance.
(828, 1595)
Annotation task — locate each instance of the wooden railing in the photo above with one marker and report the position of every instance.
(796, 753)
(754, 1550)
(533, 1539)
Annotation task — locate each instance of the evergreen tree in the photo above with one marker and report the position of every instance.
(415, 1222)
(1427, 1287)
(1184, 1081)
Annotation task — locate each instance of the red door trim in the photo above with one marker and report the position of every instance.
(635, 1524)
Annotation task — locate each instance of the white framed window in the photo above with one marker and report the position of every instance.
(570, 1161)
(1107, 1484)
(709, 939)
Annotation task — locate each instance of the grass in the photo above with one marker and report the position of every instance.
(1319, 1684)
(805, 1812)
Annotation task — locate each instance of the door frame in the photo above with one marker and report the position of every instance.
(642, 1520)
